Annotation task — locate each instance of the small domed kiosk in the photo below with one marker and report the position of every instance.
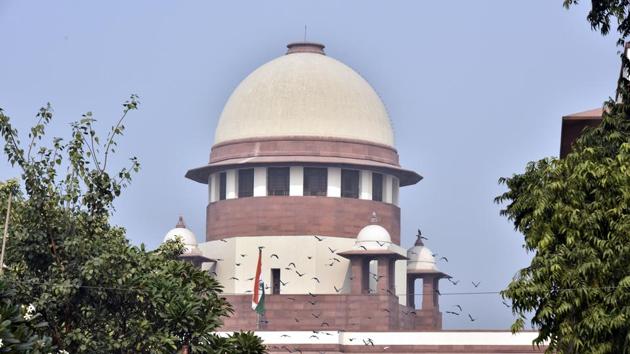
(421, 265)
(191, 252)
(373, 244)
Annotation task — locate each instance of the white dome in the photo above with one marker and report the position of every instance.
(305, 94)
(421, 258)
(186, 236)
(373, 237)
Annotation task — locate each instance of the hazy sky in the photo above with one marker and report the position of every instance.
(475, 90)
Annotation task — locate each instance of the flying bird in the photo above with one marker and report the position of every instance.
(365, 248)
(313, 336)
(285, 336)
(233, 278)
(506, 304)
(274, 255)
(291, 298)
(332, 250)
(336, 259)
(444, 258)
(471, 318)
(337, 290)
(368, 342)
(243, 255)
(213, 273)
(252, 278)
(316, 279)
(311, 294)
(387, 310)
(312, 302)
(293, 264)
(320, 239)
(316, 316)
(380, 243)
(237, 264)
(420, 235)
(453, 313)
(324, 324)
(330, 264)
(476, 284)
(454, 282)
(309, 257)
(299, 274)
(223, 240)
(459, 307)
(284, 283)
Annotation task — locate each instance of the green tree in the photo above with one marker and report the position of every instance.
(574, 214)
(98, 293)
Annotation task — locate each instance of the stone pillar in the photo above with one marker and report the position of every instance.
(260, 181)
(384, 275)
(334, 182)
(296, 181)
(436, 296)
(392, 276)
(429, 296)
(357, 284)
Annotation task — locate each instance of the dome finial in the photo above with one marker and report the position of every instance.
(306, 47)
(180, 223)
(374, 219)
(419, 239)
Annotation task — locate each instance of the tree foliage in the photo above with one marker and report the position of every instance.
(605, 15)
(98, 293)
(574, 214)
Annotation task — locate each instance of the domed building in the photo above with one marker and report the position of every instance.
(304, 167)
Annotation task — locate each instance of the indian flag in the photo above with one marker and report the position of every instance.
(258, 298)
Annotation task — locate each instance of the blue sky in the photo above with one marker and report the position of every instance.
(475, 90)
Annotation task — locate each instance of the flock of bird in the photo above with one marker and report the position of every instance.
(293, 269)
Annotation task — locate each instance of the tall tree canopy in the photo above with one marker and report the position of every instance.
(574, 214)
(96, 292)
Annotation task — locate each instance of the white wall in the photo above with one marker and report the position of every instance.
(260, 181)
(334, 182)
(296, 249)
(395, 190)
(230, 184)
(365, 186)
(296, 181)
(387, 188)
(211, 190)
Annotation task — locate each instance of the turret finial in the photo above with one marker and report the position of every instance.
(180, 223)
(374, 218)
(419, 239)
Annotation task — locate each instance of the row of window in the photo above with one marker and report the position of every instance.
(315, 183)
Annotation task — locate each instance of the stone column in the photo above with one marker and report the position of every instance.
(384, 275)
(357, 284)
(436, 296)
(392, 276)
(429, 295)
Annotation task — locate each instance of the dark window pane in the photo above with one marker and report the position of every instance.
(275, 281)
(246, 183)
(278, 181)
(222, 185)
(315, 181)
(349, 184)
(377, 187)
